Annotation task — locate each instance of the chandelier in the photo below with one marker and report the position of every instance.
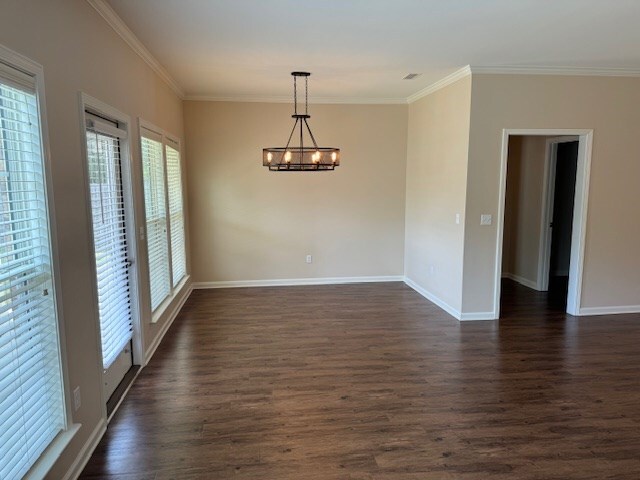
(300, 159)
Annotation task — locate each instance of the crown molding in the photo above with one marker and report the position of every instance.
(554, 70)
(113, 19)
(440, 84)
(434, 87)
(287, 99)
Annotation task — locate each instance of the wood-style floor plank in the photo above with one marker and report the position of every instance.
(372, 381)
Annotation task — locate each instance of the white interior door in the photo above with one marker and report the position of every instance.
(111, 248)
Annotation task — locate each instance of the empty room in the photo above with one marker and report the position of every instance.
(318, 239)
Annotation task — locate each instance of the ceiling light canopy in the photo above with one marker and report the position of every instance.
(300, 158)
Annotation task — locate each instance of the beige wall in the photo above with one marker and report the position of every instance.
(523, 207)
(611, 107)
(437, 155)
(80, 52)
(248, 223)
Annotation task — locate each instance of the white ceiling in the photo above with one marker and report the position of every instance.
(361, 49)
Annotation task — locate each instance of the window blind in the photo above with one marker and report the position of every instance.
(176, 215)
(31, 400)
(156, 217)
(109, 239)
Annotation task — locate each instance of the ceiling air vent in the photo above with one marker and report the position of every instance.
(411, 76)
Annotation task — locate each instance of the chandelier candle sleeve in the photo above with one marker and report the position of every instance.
(291, 158)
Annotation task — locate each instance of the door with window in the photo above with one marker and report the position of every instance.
(112, 247)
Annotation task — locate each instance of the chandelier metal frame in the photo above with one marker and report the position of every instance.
(301, 159)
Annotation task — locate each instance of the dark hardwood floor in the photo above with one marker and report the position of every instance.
(372, 381)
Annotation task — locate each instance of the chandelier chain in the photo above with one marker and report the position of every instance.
(295, 95)
(306, 95)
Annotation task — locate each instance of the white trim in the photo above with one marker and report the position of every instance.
(52, 453)
(579, 228)
(440, 84)
(522, 281)
(287, 282)
(85, 453)
(188, 288)
(553, 70)
(579, 215)
(609, 310)
(287, 99)
(113, 19)
(477, 316)
(142, 123)
(124, 394)
(455, 313)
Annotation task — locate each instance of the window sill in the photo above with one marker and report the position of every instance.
(52, 453)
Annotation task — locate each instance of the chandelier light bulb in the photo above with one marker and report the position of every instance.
(287, 156)
(334, 156)
(269, 157)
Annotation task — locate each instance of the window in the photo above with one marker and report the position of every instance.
(32, 409)
(164, 214)
(176, 215)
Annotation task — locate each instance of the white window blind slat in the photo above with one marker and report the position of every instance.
(176, 215)
(156, 218)
(31, 400)
(109, 239)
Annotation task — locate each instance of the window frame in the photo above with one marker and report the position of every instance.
(174, 142)
(51, 453)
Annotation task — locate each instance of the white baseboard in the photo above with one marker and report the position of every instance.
(172, 316)
(522, 281)
(433, 298)
(473, 316)
(87, 450)
(609, 310)
(295, 281)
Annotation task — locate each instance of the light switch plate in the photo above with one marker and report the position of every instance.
(485, 219)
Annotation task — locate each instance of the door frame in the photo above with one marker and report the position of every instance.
(578, 235)
(548, 195)
(93, 105)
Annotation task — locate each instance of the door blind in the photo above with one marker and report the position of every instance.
(31, 400)
(176, 215)
(156, 218)
(110, 241)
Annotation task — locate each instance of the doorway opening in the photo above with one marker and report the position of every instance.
(541, 228)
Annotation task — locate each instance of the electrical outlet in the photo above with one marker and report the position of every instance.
(77, 399)
(486, 219)
(309, 259)
(457, 219)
